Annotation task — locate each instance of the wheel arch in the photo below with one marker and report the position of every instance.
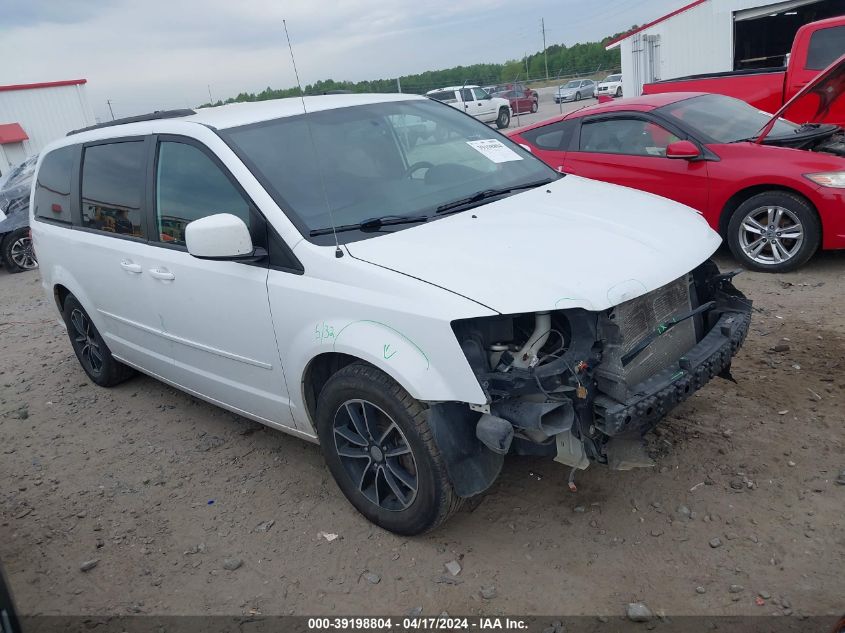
(734, 202)
(317, 373)
(60, 293)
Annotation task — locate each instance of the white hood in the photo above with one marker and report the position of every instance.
(574, 243)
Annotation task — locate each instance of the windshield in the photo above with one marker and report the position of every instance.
(572, 84)
(725, 119)
(401, 158)
(613, 78)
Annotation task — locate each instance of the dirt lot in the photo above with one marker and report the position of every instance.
(161, 489)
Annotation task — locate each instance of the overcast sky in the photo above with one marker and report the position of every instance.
(145, 55)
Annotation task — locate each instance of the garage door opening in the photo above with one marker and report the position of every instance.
(763, 36)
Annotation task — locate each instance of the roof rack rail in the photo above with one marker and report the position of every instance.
(153, 116)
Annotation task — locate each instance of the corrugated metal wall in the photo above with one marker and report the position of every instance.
(46, 114)
(699, 40)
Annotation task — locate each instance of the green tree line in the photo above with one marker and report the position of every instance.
(563, 61)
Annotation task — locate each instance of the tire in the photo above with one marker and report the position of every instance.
(90, 348)
(577, 96)
(364, 470)
(534, 107)
(619, 92)
(17, 253)
(504, 119)
(769, 216)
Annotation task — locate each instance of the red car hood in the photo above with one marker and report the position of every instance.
(814, 101)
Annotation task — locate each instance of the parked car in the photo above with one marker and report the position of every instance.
(575, 90)
(520, 104)
(16, 251)
(816, 46)
(520, 89)
(610, 85)
(773, 189)
(421, 311)
(476, 102)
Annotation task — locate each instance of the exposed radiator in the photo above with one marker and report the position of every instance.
(640, 317)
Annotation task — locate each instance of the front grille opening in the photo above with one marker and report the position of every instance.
(640, 318)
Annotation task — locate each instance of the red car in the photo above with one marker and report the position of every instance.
(521, 102)
(773, 189)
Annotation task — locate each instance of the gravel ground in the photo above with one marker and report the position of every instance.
(141, 499)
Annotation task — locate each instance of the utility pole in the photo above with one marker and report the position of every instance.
(210, 98)
(108, 101)
(398, 85)
(545, 56)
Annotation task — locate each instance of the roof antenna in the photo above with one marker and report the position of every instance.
(337, 252)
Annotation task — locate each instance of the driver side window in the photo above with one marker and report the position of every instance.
(480, 95)
(635, 137)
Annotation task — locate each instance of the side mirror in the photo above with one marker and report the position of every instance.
(686, 150)
(222, 236)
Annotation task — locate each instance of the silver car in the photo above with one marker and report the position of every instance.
(576, 90)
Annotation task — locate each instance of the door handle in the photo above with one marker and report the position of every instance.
(162, 273)
(130, 267)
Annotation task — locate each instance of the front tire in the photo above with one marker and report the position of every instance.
(17, 252)
(90, 348)
(380, 450)
(774, 231)
(577, 96)
(504, 119)
(534, 107)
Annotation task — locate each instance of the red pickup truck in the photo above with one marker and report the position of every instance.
(815, 47)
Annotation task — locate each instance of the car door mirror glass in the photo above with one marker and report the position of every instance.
(683, 149)
(219, 236)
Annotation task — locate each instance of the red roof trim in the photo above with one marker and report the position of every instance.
(11, 133)
(650, 24)
(47, 84)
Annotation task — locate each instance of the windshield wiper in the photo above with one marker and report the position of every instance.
(480, 196)
(371, 224)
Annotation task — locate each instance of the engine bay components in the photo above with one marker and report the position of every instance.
(585, 386)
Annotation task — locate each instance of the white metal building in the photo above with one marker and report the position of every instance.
(711, 36)
(32, 115)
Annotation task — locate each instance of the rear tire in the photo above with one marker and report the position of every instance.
(17, 253)
(90, 348)
(619, 92)
(380, 450)
(774, 231)
(504, 119)
(534, 107)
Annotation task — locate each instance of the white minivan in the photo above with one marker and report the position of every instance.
(420, 308)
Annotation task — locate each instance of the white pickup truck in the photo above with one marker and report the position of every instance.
(476, 101)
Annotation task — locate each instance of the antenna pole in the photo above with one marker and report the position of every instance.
(337, 251)
(108, 101)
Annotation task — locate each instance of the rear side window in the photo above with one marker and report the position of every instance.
(112, 188)
(554, 138)
(443, 95)
(52, 190)
(190, 186)
(826, 46)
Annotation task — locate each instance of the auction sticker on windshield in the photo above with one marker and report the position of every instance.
(494, 150)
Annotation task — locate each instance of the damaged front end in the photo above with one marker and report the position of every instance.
(584, 386)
